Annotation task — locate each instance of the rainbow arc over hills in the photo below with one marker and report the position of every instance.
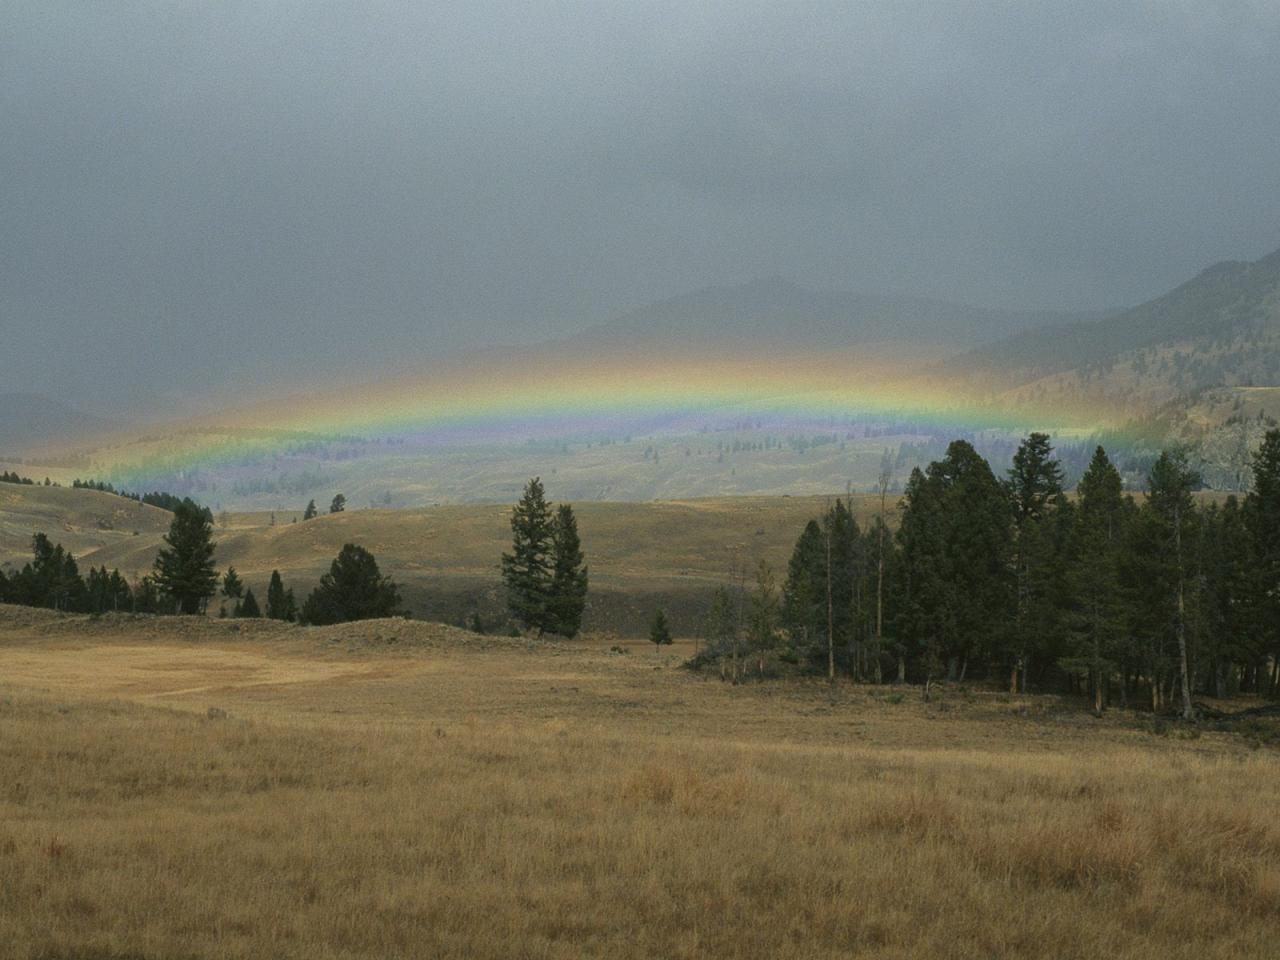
(514, 401)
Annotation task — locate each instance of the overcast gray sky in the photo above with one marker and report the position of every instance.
(191, 191)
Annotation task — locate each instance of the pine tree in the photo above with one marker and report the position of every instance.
(96, 589)
(1096, 622)
(279, 600)
(146, 598)
(1262, 517)
(1172, 509)
(249, 606)
(1225, 582)
(232, 585)
(1035, 484)
(921, 620)
(353, 589)
(118, 593)
(659, 633)
(956, 544)
(184, 567)
(310, 512)
(338, 504)
(804, 593)
(52, 578)
(568, 596)
(528, 570)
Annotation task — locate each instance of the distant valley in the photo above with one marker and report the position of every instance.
(766, 388)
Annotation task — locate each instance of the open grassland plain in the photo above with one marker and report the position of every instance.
(195, 788)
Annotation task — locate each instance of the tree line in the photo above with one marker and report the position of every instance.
(183, 579)
(156, 498)
(1153, 599)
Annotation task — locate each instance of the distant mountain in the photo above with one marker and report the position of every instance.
(29, 420)
(1220, 328)
(777, 311)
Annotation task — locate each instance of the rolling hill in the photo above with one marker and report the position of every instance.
(1219, 329)
(83, 521)
(641, 556)
(779, 313)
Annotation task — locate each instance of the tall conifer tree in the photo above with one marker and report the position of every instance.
(568, 588)
(1095, 625)
(184, 566)
(528, 570)
(1262, 515)
(1035, 487)
(280, 604)
(1172, 509)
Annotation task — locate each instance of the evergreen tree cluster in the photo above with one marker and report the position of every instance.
(52, 579)
(353, 589)
(182, 581)
(7, 477)
(280, 602)
(1154, 599)
(545, 576)
(156, 498)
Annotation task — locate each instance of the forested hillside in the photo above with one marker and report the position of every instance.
(1221, 328)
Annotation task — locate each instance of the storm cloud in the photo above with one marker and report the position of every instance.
(209, 199)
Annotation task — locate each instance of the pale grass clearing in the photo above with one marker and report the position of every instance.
(496, 801)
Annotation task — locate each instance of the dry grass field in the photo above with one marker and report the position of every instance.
(394, 789)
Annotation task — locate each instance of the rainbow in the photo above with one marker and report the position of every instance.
(545, 394)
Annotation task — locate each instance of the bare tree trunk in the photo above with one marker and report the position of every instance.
(884, 489)
(1188, 711)
(831, 635)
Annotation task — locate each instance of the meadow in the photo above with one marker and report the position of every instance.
(670, 554)
(195, 788)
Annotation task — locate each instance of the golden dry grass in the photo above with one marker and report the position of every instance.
(83, 521)
(406, 790)
(641, 556)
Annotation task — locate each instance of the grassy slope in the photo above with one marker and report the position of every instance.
(640, 555)
(83, 521)
(393, 789)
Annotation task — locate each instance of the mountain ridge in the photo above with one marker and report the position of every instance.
(1228, 301)
(776, 309)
